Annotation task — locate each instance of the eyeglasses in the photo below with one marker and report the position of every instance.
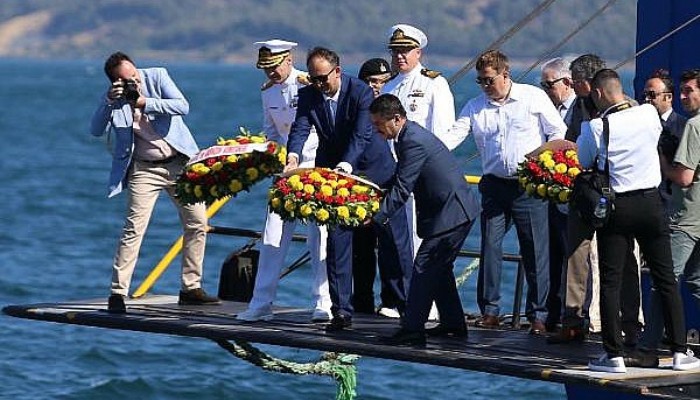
(546, 85)
(321, 79)
(485, 81)
(651, 95)
(395, 51)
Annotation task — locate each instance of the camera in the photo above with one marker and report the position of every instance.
(668, 144)
(131, 90)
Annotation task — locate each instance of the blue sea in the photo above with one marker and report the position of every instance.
(59, 233)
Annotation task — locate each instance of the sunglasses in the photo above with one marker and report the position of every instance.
(652, 95)
(546, 85)
(321, 79)
(485, 81)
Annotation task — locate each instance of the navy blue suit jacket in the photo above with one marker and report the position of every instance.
(427, 169)
(350, 139)
(675, 124)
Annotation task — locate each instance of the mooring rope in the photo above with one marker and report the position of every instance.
(339, 366)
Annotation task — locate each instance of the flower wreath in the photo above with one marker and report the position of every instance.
(550, 175)
(227, 168)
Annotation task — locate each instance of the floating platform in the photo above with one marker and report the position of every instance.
(498, 351)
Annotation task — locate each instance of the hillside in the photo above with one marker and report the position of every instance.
(224, 30)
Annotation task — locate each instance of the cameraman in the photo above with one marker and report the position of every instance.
(143, 109)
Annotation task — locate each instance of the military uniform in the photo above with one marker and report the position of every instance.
(279, 103)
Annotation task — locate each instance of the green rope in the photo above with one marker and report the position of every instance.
(339, 366)
(467, 271)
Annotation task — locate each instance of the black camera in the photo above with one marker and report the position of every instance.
(131, 90)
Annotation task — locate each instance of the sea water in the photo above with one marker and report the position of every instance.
(59, 233)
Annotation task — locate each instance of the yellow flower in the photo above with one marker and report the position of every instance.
(570, 153)
(573, 172)
(309, 188)
(217, 166)
(235, 186)
(214, 191)
(257, 139)
(252, 173)
(523, 181)
(564, 195)
(545, 155)
(359, 189)
(293, 179)
(342, 182)
(343, 192)
(289, 205)
(264, 168)
(282, 156)
(343, 212)
(275, 203)
(326, 190)
(322, 215)
(361, 212)
(316, 177)
(542, 189)
(560, 168)
(200, 169)
(530, 188)
(549, 164)
(553, 191)
(297, 186)
(374, 206)
(334, 184)
(198, 191)
(232, 159)
(306, 210)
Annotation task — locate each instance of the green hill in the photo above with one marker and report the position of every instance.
(224, 30)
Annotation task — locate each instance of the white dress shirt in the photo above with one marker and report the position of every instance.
(634, 134)
(428, 101)
(505, 133)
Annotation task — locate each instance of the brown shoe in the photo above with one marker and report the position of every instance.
(197, 297)
(537, 328)
(568, 335)
(488, 321)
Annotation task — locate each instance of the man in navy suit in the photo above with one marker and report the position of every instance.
(445, 208)
(337, 105)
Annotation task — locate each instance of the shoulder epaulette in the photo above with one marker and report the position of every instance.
(303, 79)
(268, 84)
(430, 73)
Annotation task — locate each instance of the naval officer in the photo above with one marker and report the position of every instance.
(279, 100)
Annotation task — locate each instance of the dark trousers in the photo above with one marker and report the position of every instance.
(557, 263)
(339, 267)
(577, 280)
(395, 251)
(433, 280)
(505, 204)
(638, 215)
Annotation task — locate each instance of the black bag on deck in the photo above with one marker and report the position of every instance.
(590, 186)
(238, 274)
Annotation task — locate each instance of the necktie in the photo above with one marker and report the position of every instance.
(331, 112)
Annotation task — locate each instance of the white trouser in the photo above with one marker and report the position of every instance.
(412, 225)
(275, 244)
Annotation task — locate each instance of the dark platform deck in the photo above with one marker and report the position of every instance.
(504, 352)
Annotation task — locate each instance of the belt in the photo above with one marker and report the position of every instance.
(163, 161)
(638, 192)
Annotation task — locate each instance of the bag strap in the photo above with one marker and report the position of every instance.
(606, 142)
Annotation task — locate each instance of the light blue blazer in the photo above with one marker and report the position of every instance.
(165, 106)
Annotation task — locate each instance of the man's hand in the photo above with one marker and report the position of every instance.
(116, 91)
(292, 163)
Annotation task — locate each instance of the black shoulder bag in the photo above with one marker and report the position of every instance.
(590, 186)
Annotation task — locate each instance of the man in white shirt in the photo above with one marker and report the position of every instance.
(634, 175)
(509, 120)
(279, 100)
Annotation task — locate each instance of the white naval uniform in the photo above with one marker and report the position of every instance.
(279, 107)
(429, 103)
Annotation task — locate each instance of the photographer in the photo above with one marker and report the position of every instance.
(143, 110)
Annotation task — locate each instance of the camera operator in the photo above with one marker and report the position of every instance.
(143, 109)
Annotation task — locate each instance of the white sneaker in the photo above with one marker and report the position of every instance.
(685, 361)
(256, 314)
(605, 364)
(388, 312)
(321, 315)
(434, 315)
